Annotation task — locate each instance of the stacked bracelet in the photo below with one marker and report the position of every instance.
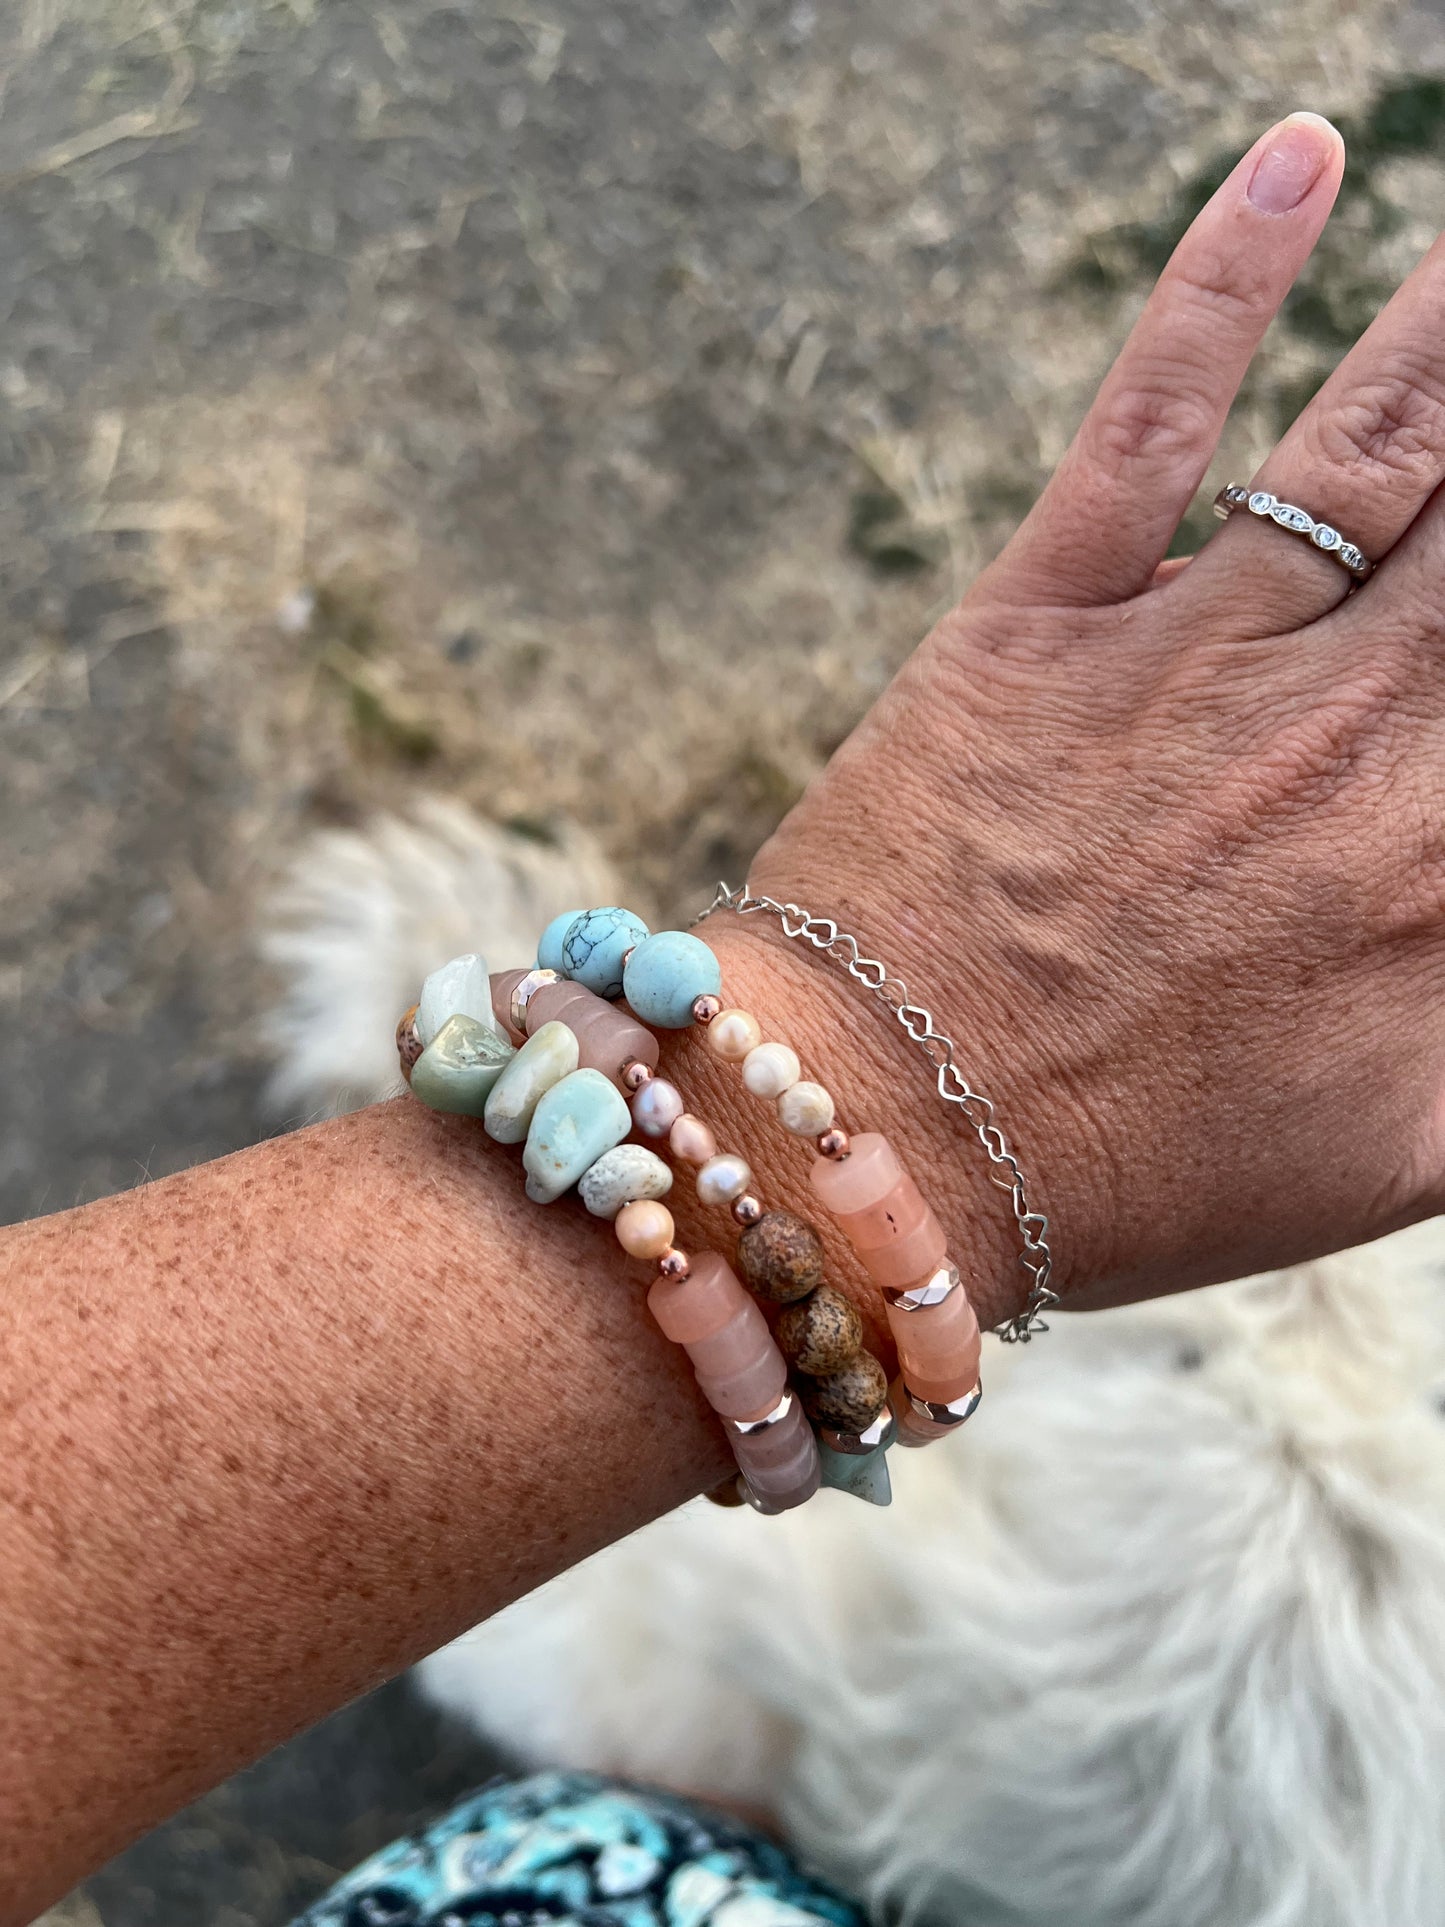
(549, 1059)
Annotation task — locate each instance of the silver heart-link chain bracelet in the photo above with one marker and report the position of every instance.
(953, 1087)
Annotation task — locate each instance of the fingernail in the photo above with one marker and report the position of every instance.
(1299, 151)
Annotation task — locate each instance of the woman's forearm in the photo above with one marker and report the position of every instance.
(274, 1428)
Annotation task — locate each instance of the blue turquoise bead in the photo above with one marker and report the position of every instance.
(574, 1123)
(666, 975)
(594, 945)
(549, 944)
(864, 1477)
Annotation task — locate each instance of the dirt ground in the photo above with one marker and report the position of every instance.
(579, 408)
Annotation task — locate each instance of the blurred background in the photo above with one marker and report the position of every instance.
(575, 409)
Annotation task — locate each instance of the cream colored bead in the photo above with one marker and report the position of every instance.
(723, 1178)
(733, 1033)
(771, 1069)
(805, 1109)
(644, 1228)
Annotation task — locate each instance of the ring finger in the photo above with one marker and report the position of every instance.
(1365, 456)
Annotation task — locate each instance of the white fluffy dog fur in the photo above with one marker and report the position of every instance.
(1159, 1642)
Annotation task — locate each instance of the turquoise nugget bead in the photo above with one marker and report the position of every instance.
(595, 944)
(549, 944)
(666, 975)
(574, 1123)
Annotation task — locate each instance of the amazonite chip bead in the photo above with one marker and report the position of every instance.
(459, 1067)
(549, 945)
(863, 1477)
(460, 988)
(594, 945)
(622, 1176)
(666, 975)
(574, 1123)
(549, 1055)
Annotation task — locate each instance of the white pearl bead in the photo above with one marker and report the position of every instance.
(771, 1069)
(805, 1109)
(723, 1178)
(733, 1033)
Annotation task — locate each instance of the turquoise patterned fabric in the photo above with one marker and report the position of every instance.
(569, 1847)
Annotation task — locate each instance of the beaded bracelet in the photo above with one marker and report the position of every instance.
(547, 1059)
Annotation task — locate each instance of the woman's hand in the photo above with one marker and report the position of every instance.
(1165, 851)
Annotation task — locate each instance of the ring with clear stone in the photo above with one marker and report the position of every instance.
(1296, 521)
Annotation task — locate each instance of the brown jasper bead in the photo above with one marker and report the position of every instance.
(781, 1257)
(408, 1044)
(821, 1333)
(850, 1399)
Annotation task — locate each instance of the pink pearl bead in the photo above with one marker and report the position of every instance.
(657, 1107)
(644, 1228)
(691, 1140)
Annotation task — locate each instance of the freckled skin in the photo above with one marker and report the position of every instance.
(273, 1429)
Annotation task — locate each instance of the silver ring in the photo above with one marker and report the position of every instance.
(1321, 535)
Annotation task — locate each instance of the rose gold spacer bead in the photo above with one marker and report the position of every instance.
(834, 1144)
(705, 1008)
(674, 1264)
(636, 1074)
(747, 1209)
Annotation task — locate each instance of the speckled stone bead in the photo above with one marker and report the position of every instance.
(608, 1039)
(863, 1476)
(549, 944)
(666, 974)
(849, 1399)
(574, 1123)
(820, 1333)
(622, 1175)
(459, 1067)
(594, 944)
(409, 1046)
(781, 1257)
(549, 1055)
(460, 988)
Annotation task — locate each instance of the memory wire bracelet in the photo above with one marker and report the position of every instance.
(565, 1092)
(673, 980)
(823, 934)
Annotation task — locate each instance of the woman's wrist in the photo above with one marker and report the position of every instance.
(880, 1083)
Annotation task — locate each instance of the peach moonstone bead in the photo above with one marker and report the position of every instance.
(881, 1212)
(718, 1324)
(938, 1347)
(607, 1038)
(780, 1463)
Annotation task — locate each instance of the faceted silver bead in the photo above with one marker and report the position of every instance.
(524, 990)
(857, 1445)
(958, 1412)
(747, 1426)
(944, 1282)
